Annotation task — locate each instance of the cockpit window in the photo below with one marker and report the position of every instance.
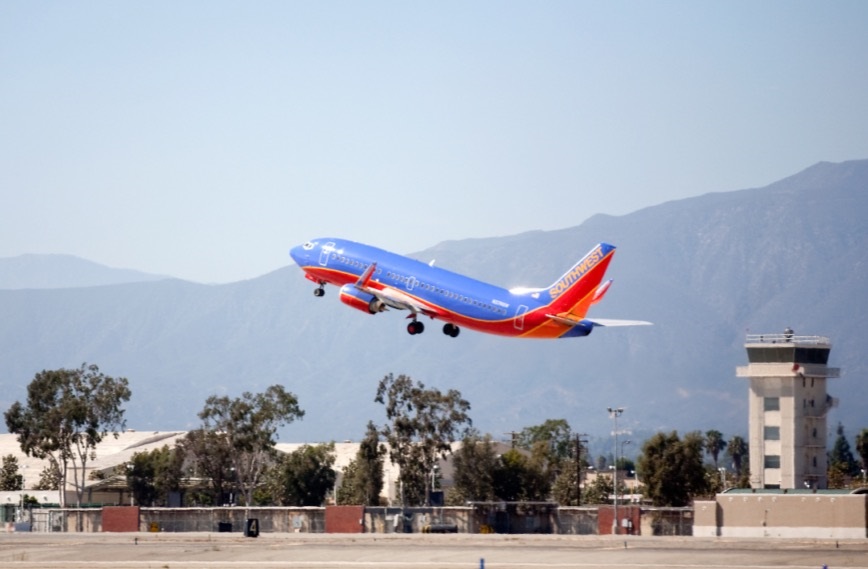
(308, 246)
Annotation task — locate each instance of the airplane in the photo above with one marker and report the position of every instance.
(373, 280)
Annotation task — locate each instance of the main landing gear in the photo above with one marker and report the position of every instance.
(451, 329)
(416, 327)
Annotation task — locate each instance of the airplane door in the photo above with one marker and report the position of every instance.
(324, 253)
(519, 317)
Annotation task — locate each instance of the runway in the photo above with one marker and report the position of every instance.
(449, 551)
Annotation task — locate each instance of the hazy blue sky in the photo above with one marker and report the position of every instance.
(204, 139)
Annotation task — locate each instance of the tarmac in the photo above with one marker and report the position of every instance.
(428, 551)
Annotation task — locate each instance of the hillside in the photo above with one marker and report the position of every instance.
(705, 270)
(62, 271)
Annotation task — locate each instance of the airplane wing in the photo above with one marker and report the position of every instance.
(401, 301)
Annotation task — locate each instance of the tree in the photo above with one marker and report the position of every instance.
(565, 484)
(599, 490)
(210, 458)
(363, 478)
(842, 463)
(68, 413)
(303, 477)
(49, 478)
(565, 489)
(672, 469)
(714, 444)
(737, 450)
(862, 447)
(474, 464)
(554, 433)
(550, 445)
(10, 478)
(520, 478)
(152, 476)
(422, 425)
(250, 424)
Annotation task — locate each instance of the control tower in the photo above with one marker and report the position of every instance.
(788, 404)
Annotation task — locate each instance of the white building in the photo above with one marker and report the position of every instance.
(788, 405)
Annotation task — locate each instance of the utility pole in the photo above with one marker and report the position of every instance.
(615, 412)
(513, 438)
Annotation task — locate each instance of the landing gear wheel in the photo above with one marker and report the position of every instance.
(318, 291)
(451, 329)
(415, 327)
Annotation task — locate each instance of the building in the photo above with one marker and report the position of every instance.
(788, 404)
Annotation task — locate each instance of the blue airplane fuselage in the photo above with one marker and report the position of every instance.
(372, 280)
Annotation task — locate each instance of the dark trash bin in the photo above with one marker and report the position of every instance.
(252, 528)
(224, 527)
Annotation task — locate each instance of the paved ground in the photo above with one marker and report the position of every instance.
(342, 551)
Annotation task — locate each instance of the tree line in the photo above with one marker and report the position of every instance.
(232, 458)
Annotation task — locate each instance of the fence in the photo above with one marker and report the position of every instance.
(667, 521)
(578, 521)
(479, 518)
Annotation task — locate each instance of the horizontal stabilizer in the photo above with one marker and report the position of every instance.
(608, 322)
(566, 320)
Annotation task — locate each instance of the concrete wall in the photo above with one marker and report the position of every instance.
(801, 515)
(271, 520)
(577, 520)
(706, 520)
(415, 520)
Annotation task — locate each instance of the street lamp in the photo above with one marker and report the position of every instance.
(722, 471)
(615, 412)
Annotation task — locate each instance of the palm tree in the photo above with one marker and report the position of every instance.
(736, 449)
(714, 443)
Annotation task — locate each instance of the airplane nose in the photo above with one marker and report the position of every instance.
(297, 254)
(301, 253)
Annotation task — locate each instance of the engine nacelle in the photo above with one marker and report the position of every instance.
(351, 296)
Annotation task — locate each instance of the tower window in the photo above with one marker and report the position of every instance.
(772, 433)
(771, 404)
(772, 461)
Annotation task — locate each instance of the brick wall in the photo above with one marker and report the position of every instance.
(344, 519)
(120, 518)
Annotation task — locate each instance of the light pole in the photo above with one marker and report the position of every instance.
(722, 471)
(615, 412)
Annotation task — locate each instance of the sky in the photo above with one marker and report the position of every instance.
(204, 139)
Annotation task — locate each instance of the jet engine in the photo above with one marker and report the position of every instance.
(351, 296)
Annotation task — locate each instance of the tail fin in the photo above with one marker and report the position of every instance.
(572, 294)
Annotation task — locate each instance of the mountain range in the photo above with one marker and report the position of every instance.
(705, 270)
